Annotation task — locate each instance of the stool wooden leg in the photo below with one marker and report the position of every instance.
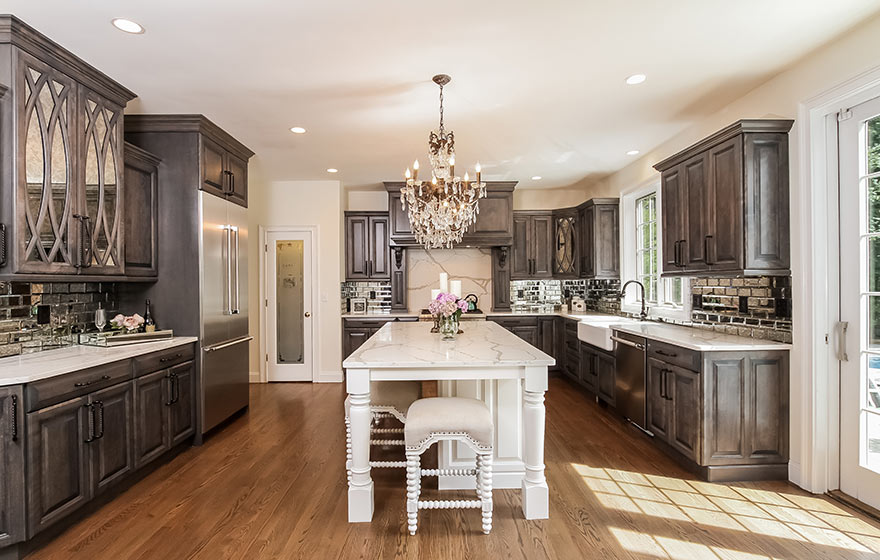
(413, 484)
(485, 485)
(479, 475)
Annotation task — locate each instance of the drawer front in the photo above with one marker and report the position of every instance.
(47, 392)
(675, 355)
(366, 323)
(162, 360)
(571, 327)
(508, 322)
(572, 365)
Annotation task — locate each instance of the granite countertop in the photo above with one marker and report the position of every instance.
(411, 345)
(27, 368)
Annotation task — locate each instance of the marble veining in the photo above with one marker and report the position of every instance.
(482, 344)
(697, 339)
(472, 266)
(27, 368)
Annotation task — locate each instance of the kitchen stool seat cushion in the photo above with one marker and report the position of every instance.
(448, 415)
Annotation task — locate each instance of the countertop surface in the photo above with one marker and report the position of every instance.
(412, 345)
(27, 368)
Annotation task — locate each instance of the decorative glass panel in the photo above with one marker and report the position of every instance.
(289, 301)
(101, 182)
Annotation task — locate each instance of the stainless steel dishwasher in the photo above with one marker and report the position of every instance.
(629, 390)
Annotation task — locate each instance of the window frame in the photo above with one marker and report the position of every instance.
(631, 303)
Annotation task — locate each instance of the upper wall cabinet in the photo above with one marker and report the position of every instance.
(725, 203)
(599, 224)
(566, 243)
(61, 212)
(366, 246)
(493, 228)
(141, 212)
(223, 160)
(531, 253)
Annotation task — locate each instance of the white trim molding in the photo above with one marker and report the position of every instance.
(815, 277)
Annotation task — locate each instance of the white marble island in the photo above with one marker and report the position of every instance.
(486, 362)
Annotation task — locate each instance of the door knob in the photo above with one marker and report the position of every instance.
(308, 313)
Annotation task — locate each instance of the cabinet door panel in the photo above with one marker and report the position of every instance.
(588, 225)
(237, 179)
(182, 411)
(141, 211)
(501, 279)
(766, 202)
(542, 247)
(380, 268)
(520, 263)
(12, 484)
(684, 389)
(546, 334)
(529, 333)
(112, 452)
(46, 197)
(587, 369)
(606, 378)
(357, 248)
(725, 412)
(213, 168)
(674, 215)
(767, 434)
(656, 403)
(606, 252)
(102, 197)
(151, 438)
(695, 175)
(58, 474)
(725, 206)
(397, 257)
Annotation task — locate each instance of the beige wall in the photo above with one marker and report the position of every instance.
(829, 66)
(523, 199)
(303, 203)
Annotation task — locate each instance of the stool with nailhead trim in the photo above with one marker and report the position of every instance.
(448, 419)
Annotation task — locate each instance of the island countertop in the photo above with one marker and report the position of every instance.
(28, 368)
(412, 345)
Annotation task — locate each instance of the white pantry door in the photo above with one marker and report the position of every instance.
(289, 306)
(859, 142)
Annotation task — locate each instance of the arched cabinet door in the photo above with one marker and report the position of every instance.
(101, 200)
(46, 195)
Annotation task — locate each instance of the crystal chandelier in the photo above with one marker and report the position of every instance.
(441, 210)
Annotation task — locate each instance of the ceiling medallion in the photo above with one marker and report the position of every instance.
(441, 210)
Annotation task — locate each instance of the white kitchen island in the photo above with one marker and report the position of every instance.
(486, 362)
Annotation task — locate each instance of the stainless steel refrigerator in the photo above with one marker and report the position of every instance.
(223, 278)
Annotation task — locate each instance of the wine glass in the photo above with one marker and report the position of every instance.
(100, 318)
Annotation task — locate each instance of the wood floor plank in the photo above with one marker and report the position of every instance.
(272, 485)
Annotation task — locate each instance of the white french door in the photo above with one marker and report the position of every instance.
(289, 305)
(859, 165)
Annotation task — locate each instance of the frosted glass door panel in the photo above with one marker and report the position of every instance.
(289, 301)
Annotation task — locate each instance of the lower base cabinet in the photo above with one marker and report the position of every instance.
(12, 481)
(606, 377)
(111, 449)
(165, 411)
(673, 406)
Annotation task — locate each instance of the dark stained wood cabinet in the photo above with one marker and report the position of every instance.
(224, 173)
(367, 255)
(237, 173)
(13, 524)
(532, 253)
(657, 413)
(181, 407)
(566, 243)
(725, 203)
(501, 279)
(356, 331)
(112, 449)
(141, 211)
(684, 402)
(493, 227)
(587, 367)
(606, 377)
(598, 224)
(547, 335)
(398, 279)
(151, 438)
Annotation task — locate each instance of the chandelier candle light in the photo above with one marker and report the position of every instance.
(441, 210)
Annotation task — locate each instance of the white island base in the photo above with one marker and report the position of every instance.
(486, 362)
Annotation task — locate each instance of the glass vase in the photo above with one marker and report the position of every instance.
(449, 327)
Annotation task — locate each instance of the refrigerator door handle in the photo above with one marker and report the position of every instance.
(228, 344)
(228, 264)
(237, 308)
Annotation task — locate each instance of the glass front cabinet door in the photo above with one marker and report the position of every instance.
(69, 195)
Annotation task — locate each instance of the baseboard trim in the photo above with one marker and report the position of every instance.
(254, 377)
(333, 376)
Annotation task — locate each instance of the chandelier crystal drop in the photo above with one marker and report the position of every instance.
(441, 210)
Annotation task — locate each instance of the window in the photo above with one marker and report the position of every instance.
(642, 257)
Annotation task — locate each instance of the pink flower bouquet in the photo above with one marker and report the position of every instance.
(447, 305)
(129, 323)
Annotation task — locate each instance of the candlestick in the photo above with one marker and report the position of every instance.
(455, 287)
(452, 167)
(416, 170)
(444, 282)
(478, 173)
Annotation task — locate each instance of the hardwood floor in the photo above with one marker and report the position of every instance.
(272, 485)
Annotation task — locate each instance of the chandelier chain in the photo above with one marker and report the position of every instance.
(442, 129)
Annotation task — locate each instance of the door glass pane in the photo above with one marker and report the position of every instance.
(874, 205)
(289, 301)
(873, 138)
(870, 275)
(872, 451)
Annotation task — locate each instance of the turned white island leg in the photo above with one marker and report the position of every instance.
(360, 485)
(535, 494)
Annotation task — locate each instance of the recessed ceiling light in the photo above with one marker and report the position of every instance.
(332, 170)
(636, 79)
(632, 153)
(298, 130)
(536, 178)
(127, 25)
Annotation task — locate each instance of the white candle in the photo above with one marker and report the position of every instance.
(455, 287)
(434, 294)
(444, 282)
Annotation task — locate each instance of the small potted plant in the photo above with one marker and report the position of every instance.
(129, 323)
(447, 309)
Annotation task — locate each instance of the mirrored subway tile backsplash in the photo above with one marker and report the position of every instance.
(71, 309)
(377, 294)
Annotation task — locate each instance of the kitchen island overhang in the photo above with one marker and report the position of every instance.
(486, 362)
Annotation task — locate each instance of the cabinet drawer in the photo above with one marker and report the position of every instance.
(571, 327)
(47, 392)
(682, 357)
(508, 322)
(366, 323)
(162, 360)
(572, 364)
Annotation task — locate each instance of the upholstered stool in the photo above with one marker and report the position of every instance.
(448, 419)
(390, 399)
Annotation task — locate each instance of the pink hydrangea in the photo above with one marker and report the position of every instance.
(447, 305)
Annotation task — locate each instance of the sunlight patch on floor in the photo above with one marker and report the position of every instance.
(805, 519)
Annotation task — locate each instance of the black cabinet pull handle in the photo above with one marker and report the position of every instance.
(666, 385)
(169, 358)
(175, 389)
(667, 354)
(675, 259)
(91, 436)
(173, 394)
(85, 237)
(663, 384)
(683, 253)
(92, 382)
(708, 245)
(3, 255)
(100, 407)
(14, 405)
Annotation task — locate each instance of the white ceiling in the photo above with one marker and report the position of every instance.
(538, 87)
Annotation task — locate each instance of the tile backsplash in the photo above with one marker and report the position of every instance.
(72, 310)
(377, 294)
(752, 307)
